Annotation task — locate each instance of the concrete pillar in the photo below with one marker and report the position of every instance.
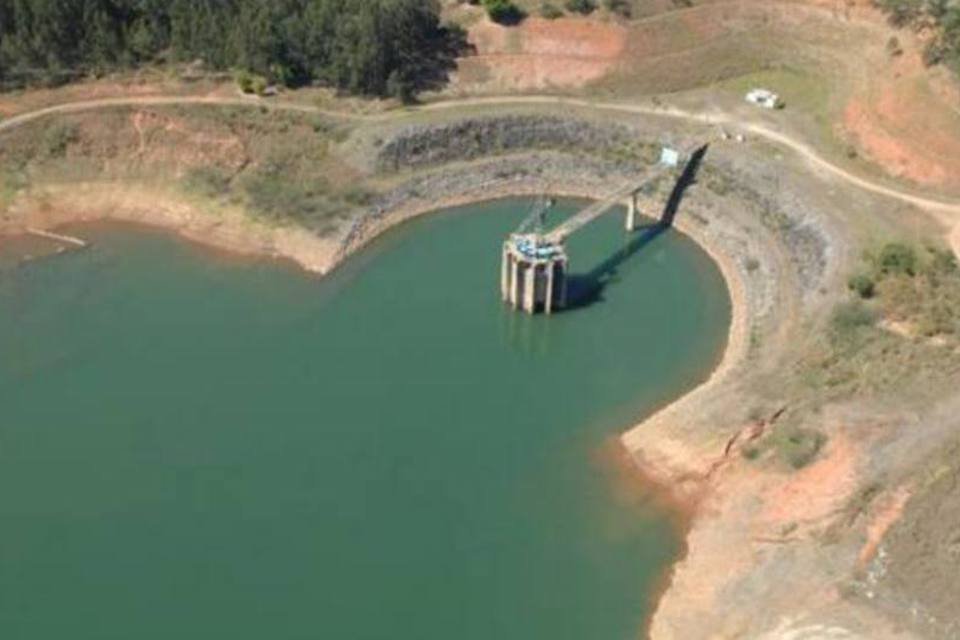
(530, 289)
(505, 274)
(632, 213)
(514, 282)
(563, 285)
(548, 298)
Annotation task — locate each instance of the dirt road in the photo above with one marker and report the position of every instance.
(946, 212)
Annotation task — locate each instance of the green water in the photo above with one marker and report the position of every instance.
(195, 446)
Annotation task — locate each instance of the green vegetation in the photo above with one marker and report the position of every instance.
(622, 8)
(373, 47)
(503, 11)
(286, 178)
(863, 285)
(251, 83)
(798, 446)
(792, 444)
(896, 259)
(941, 18)
(581, 6)
(210, 182)
(550, 11)
(916, 294)
(57, 138)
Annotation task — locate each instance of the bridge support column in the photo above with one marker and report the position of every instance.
(515, 282)
(506, 271)
(551, 276)
(562, 284)
(530, 282)
(631, 223)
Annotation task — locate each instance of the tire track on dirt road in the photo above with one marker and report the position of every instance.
(946, 212)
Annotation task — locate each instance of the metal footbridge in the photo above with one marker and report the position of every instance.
(585, 216)
(533, 274)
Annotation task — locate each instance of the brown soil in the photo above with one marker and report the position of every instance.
(750, 512)
(905, 122)
(888, 513)
(143, 85)
(540, 54)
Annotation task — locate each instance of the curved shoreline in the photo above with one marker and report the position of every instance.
(243, 240)
(236, 234)
(319, 256)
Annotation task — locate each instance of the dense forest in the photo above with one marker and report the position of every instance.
(375, 47)
(939, 18)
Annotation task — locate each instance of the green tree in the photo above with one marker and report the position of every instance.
(503, 11)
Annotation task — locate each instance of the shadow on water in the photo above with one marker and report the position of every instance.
(585, 289)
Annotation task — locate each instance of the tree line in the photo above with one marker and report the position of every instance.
(373, 47)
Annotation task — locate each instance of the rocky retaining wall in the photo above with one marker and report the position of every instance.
(473, 138)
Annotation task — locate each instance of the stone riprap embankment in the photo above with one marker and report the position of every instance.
(472, 138)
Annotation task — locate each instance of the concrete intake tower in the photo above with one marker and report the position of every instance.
(533, 274)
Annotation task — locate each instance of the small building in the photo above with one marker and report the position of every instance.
(764, 98)
(669, 157)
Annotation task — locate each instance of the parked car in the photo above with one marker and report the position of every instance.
(764, 98)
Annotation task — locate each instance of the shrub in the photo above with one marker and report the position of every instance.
(58, 137)
(251, 82)
(358, 196)
(244, 81)
(623, 8)
(863, 285)
(276, 197)
(207, 181)
(850, 317)
(798, 447)
(583, 7)
(893, 46)
(503, 11)
(751, 452)
(943, 261)
(897, 258)
(550, 11)
(401, 88)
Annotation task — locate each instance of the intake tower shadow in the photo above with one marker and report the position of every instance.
(586, 289)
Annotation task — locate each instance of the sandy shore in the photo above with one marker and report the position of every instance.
(224, 228)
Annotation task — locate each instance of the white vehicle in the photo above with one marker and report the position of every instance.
(764, 98)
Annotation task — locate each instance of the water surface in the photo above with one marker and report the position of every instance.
(193, 446)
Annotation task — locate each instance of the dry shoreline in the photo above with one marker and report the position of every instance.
(226, 228)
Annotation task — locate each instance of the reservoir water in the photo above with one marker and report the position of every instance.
(196, 446)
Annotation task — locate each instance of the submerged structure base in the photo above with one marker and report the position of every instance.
(534, 275)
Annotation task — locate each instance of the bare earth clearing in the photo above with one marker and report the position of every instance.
(816, 462)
